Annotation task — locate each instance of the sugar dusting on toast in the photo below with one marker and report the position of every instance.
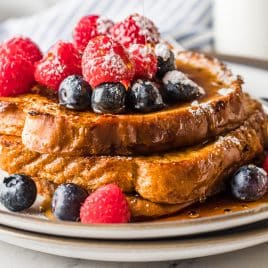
(225, 91)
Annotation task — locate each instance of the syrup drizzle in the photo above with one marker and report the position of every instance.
(221, 204)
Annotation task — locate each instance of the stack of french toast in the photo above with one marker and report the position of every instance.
(163, 158)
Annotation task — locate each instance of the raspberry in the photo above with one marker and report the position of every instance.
(144, 59)
(25, 47)
(16, 74)
(60, 61)
(265, 164)
(105, 60)
(135, 29)
(89, 27)
(106, 205)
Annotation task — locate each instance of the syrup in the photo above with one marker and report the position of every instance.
(221, 204)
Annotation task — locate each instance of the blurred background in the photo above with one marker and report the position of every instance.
(233, 27)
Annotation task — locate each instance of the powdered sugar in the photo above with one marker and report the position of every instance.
(225, 91)
(176, 77)
(198, 109)
(103, 25)
(144, 59)
(162, 50)
(142, 50)
(195, 103)
(147, 28)
(229, 139)
(108, 63)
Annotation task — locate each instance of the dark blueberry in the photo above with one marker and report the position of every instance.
(249, 183)
(144, 96)
(67, 200)
(18, 192)
(109, 98)
(178, 87)
(75, 93)
(165, 60)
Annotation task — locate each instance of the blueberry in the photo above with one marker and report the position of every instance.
(109, 98)
(75, 93)
(249, 183)
(67, 200)
(17, 192)
(178, 87)
(144, 96)
(165, 60)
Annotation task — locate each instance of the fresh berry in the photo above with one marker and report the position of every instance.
(25, 47)
(249, 183)
(60, 61)
(105, 60)
(165, 60)
(75, 93)
(67, 200)
(109, 98)
(16, 74)
(89, 27)
(144, 97)
(135, 29)
(17, 192)
(265, 164)
(144, 60)
(106, 205)
(178, 87)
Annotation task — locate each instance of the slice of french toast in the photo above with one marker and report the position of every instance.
(47, 128)
(141, 208)
(172, 178)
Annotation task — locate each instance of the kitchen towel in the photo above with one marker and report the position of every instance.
(189, 22)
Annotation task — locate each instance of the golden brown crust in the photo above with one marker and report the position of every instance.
(140, 208)
(172, 178)
(48, 128)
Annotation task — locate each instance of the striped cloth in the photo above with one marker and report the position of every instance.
(189, 22)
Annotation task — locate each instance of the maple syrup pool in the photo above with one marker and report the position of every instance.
(221, 204)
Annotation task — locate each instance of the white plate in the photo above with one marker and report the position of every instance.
(144, 230)
(139, 251)
(257, 81)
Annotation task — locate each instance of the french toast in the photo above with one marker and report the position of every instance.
(118, 125)
(140, 208)
(47, 128)
(177, 177)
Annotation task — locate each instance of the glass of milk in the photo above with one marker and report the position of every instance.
(241, 27)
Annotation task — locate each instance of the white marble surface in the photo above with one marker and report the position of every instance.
(13, 257)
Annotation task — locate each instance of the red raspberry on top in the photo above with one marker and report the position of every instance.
(105, 60)
(89, 27)
(106, 205)
(25, 47)
(145, 60)
(135, 29)
(60, 61)
(16, 74)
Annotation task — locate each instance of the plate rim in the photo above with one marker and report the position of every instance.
(137, 251)
(135, 231)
